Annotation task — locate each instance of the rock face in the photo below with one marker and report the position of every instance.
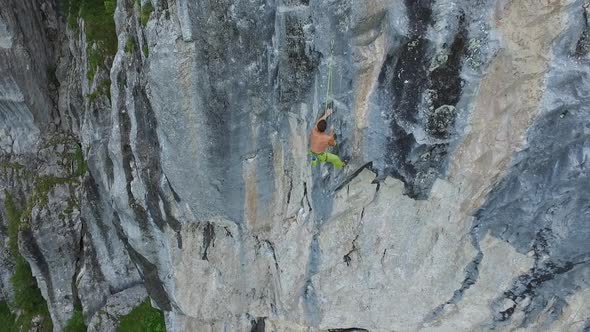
(185, 177)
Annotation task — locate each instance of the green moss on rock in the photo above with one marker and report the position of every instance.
(27, 296)
(146, 11)
(144, 318)
(76, 323)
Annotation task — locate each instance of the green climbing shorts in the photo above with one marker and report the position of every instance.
(323, 157)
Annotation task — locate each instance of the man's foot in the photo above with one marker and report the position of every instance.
(345, 161)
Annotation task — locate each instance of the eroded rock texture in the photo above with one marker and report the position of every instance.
(178, 169)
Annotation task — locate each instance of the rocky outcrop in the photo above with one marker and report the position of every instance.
(25, 103)
(66, 232)
(118, 305)
(185, 173)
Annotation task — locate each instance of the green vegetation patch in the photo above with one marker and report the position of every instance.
(45, 184)
(28, 301)
(94, 59)
(9, 165)
(13, 214)
(101, 35)
(27, 296)
(17, 169)
(81, 164)
(76, 323)
(144, 318)
(7, 318)
(71, 10)
(146, 11)
(103, 89)
(129, 45)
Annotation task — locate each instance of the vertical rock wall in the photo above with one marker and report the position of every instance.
(198, 193)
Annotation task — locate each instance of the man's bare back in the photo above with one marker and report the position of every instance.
(320, 141)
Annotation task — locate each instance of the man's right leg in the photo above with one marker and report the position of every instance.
(334, 160)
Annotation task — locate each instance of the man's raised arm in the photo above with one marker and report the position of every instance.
(325, 116)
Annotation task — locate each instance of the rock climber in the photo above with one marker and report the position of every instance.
(320, 141)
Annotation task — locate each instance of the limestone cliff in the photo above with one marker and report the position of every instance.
(158, 148)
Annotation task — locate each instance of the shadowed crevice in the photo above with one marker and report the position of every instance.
(422, 100)
(258, 324)
(208, 239)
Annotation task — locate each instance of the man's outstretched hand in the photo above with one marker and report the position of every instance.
(326, 114)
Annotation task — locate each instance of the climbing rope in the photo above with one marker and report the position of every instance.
(330, 69)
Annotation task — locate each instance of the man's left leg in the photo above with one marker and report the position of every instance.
(334, 160)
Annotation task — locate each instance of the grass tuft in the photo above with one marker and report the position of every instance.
(81, 164)
(143, 318)
(146, 11)
(130, 45)
(76, 323)
(13, 214)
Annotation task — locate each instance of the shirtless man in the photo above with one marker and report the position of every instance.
(320, 142)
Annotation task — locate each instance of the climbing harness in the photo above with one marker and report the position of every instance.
(315, 158)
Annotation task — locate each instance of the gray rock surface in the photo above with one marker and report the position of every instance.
(472, 215)
(552, 177)
(66, 234)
